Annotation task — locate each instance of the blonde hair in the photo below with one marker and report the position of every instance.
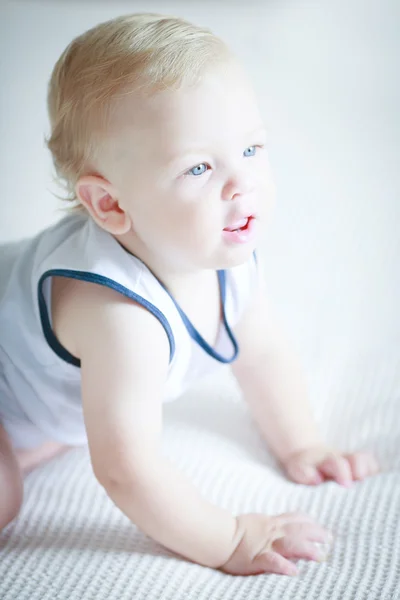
(135, 51)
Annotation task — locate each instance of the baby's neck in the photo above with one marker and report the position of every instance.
(175, 277)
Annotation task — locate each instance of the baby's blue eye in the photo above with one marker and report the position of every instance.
(250, 151)
(198, 169)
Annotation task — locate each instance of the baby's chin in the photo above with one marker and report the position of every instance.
(233, 257)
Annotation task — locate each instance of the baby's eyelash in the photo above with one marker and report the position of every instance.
(189, 172)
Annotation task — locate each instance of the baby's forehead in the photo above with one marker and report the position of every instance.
(222, 101)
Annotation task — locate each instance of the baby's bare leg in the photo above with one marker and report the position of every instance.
(32, 458)
(11, 482)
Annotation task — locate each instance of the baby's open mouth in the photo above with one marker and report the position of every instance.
(241, 231)
(241, 225)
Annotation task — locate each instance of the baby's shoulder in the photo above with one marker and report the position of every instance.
(81, 308)
(70, 302)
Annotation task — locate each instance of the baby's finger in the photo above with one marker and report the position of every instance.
(272, 562)
(294, 548)
(303, 473)
(310, 532)
(294, 517)
(374, 466)
(362, 464)
(338, 469)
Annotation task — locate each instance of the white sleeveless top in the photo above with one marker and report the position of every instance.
(39, 379)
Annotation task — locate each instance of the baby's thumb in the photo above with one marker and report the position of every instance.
(303, 473)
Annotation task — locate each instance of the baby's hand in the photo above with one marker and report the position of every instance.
(266, 543)
(317, 464)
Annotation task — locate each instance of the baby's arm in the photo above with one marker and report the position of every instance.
(272, 381)
(124, 355)
(271, 378)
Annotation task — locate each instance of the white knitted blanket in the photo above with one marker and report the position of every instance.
(71, 543)
(327, 75)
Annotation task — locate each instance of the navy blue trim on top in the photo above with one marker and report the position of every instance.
(101, 280)
(195, 335)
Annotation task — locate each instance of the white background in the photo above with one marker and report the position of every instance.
(327, 73)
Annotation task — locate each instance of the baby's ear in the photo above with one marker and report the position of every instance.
(101, 200)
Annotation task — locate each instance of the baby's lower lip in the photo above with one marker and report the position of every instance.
(243, 235)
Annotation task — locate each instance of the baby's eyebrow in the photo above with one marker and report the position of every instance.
(259, 129)
(185, 153)
(202, 148)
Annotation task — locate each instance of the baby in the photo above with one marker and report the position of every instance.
(151, 281)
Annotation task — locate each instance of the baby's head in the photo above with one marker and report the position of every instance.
(156, 132)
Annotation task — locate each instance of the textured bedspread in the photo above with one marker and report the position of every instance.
(71, 543)
(327, 76)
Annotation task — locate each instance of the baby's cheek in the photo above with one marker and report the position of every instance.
(267, 200)
(186, 228)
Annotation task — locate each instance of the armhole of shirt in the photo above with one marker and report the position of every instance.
(100, 280)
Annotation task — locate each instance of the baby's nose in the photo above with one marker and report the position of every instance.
(238, 186)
